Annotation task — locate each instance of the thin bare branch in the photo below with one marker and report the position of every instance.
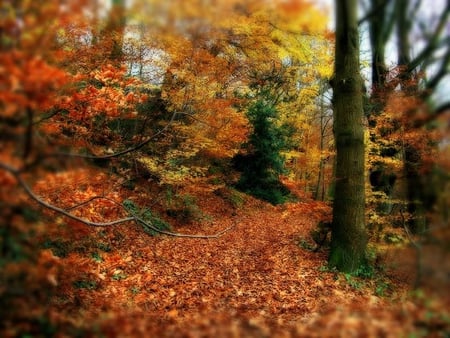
(81, 204)
(373, 12)
(433, 43)
(123, 152)
(17, 175)
(441, 73)
(40, 201)
(176, 234)
(48, 116)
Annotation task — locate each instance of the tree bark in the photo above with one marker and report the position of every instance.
(348, 236)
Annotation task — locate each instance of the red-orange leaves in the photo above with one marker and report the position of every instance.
(28, 82)
(106, 91)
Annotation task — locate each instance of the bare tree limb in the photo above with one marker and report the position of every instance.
(66, 212)
(123, 152)
(48, 116)
(435, 114)
(40, 201)
(433, 41)
(373, 12)
(81, 204)
(133, 148)
(441, 73)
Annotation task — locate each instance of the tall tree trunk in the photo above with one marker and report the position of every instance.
(348, 236)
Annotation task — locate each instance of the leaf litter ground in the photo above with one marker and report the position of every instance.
(259, 279)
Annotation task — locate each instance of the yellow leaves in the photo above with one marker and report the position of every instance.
(240, 25)
(277, 28)
(288, 45)
(298, 16)
(212, 50)
(169, 170)
(325, 70)
(150, 164)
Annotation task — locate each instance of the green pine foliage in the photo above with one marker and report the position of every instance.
(263, 162)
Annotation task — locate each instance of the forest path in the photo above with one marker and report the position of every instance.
(256, 280)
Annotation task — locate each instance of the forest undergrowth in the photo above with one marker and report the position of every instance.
(261, 278)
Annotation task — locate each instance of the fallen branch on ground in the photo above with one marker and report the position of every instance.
(66, 212)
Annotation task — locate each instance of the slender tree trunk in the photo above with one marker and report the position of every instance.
(320, 189)
(320, 186)
(348, 237)
(378, 39)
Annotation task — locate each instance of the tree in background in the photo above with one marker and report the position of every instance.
(348, 236)
(403, 114)
(263, 162)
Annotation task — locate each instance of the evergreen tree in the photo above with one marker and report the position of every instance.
(263, 163)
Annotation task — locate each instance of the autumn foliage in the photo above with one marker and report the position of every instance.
(131, 137)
